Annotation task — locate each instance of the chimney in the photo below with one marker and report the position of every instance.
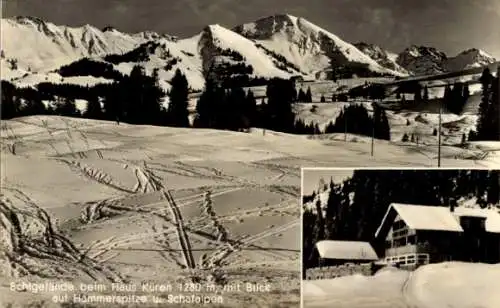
(453, 204)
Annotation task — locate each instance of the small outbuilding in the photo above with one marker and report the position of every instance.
(332, 253)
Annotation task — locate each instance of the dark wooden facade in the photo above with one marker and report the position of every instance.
(410, 248)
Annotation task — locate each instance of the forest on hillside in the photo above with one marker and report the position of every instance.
(138, 98)
(356, 206)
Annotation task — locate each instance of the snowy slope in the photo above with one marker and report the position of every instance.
(422, 60)
(216, 37)
(31, 80)
(383, 57)
(276, 46)
(168, 56)
(306, 45)
(58, 45)
(442, 285)
(469, 59)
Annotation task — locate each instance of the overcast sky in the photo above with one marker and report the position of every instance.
(449, 25)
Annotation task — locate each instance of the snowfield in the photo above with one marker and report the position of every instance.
(58, 45)
(443, 285)
(92, 201)
(305, 44)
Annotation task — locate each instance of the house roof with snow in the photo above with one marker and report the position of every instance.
(346, 250)
(437, 218)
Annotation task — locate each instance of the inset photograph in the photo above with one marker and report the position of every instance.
(400, 238)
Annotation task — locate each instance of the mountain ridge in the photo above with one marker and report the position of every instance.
(280, 45)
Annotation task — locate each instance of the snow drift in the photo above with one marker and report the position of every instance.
(443, 285)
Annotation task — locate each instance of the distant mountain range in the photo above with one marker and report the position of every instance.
(33, 50)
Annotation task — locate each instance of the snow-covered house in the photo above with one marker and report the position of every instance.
(332, 253)
(417, 234)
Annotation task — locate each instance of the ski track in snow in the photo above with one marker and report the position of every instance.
(139, 196)
(134, 214)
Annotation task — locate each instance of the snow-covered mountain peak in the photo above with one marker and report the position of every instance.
(109, 29)
(470, 58)
(27, 20)
(383, 57)
(58, 45)
(265, 28)
(306, 45)
(235, 54)
(422, 60)
(152, 36)
(419, 51)
(476, 52)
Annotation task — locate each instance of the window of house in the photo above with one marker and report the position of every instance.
(403, 232)
(411, 240)
(398, 225)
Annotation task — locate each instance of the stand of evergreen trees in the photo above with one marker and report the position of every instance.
(488, 124)
(231, 109)
(235, 109)
(456, 97)
(137, 99)
(357, 218)
(305, 97)
(134, 99)
(354, 119)
(89, 67)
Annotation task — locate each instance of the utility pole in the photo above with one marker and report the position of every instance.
(439, 135)
(498, 81)
(345, 127)
(373, 136)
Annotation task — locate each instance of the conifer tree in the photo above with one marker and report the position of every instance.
(178, 113)
(466, 93)
(488, 121)
(93, 110)
(66, 107)
(405, 138)
(302, 96)
(381, 123)
(206, 106)
(9, 107)
(250, 110)
(278, 110)
(308, 95)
